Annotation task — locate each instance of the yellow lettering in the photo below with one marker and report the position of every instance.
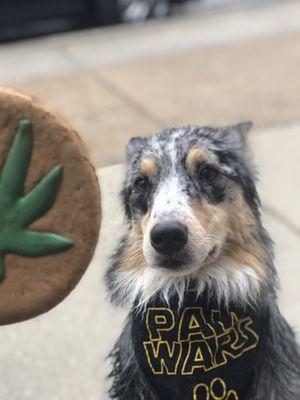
(163, 357)
(159, 320)
(193, 325)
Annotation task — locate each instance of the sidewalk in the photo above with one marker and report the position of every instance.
(114, 83)
(135, 80)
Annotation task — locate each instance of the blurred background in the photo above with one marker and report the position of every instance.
(25, 18)
(121, 68)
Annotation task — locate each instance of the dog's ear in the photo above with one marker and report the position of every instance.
(134, 148)
(236, 135)
(240, 130)
(243, 128)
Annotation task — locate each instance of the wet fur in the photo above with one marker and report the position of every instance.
(241, 271)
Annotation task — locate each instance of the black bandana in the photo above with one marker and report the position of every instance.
(200, 352)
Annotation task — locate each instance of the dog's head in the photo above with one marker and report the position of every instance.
(193, 214)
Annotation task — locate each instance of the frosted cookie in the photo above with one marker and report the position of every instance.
(49, 208)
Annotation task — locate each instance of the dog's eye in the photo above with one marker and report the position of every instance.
(142, 184)
(209, 173)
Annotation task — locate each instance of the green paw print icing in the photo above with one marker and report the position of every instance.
(18, 211)
(217, 390)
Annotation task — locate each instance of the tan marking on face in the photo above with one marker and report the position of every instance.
(145, 221)
(148, 166)
(212, 218)
(233, 228)
(133, 256)
(243, 244)
(194, 158)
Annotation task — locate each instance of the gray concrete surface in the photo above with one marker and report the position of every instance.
(199, 70)
(61, 355)
(92, 48)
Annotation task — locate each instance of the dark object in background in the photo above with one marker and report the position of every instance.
(139, 10)
(25, 18)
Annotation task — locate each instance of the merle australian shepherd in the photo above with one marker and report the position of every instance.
(196, 271)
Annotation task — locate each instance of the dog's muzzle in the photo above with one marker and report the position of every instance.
(169, 237)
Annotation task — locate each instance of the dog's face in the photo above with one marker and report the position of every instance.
(190, 198)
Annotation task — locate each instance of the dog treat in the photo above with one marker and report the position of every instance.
(49, 208)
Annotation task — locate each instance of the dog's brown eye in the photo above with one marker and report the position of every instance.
(209, 173)
(142, 184)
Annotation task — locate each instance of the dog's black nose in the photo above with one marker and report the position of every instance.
(168, 237)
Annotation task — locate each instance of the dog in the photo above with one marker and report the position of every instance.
(196, 270)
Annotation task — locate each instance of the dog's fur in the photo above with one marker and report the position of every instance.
(204, 178)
